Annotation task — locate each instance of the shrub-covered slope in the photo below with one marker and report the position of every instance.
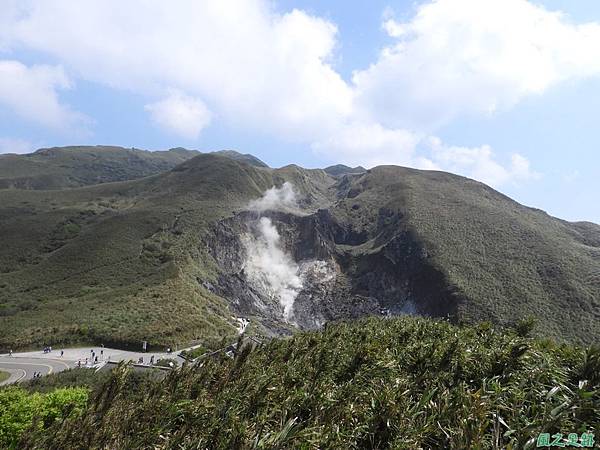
(65, 167)
(501, 260)
(133, 260)
(400, 383)
(121, 262)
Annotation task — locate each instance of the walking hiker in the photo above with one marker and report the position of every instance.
(62, 352)
(10, 352)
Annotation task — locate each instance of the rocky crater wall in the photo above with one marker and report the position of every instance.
(344, 273)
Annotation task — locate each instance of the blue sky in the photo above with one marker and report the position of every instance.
(503, 91)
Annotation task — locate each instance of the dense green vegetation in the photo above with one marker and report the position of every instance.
(21, 411)
(41, 402)
(122, 262)
(503, 261)
(119, 263)
(72, 378)
(64, 167)
(395, 383)
(194, 353)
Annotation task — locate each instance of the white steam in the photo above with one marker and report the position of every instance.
(268, 266)
(271, 269)
(275, 198)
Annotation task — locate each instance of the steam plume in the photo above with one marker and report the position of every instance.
(271, 268)
(275, 198)
(268, 266)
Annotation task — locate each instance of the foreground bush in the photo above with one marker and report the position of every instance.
(21, 410)
(398, 383)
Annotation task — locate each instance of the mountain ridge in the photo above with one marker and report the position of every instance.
(161, 258)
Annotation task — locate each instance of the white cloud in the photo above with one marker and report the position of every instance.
(480, 163)
(369, 145)
(180, 114)
(457, 57)
(271, 73)
(31, 92)
(19, 146)
(261, 70)
(375, 145)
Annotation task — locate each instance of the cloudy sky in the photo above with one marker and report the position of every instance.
(503, 91)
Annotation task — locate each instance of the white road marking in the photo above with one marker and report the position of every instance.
(29, 364)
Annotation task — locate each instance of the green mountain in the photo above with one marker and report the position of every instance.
(401, 383)
(65, 167)
(247, 158)
(341, 169)
(180, 255)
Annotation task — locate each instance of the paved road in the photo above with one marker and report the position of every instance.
(14, 375)
(22, 365)
(23, 368)
(104, 354)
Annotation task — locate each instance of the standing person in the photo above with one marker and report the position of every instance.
(62, 352)
(79, 363)
(10, 352)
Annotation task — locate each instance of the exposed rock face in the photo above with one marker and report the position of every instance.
(345, 273)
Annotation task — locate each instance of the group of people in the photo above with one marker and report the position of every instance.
(37, 374)
(141, 360)
(48, 349)
(93, 359)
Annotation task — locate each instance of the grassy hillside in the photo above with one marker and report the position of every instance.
(63, 167)
(247, 158)
(504, 261)
(120, 262)
(128, 261)
(400, 383)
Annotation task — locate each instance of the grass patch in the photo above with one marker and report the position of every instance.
(397, 383)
